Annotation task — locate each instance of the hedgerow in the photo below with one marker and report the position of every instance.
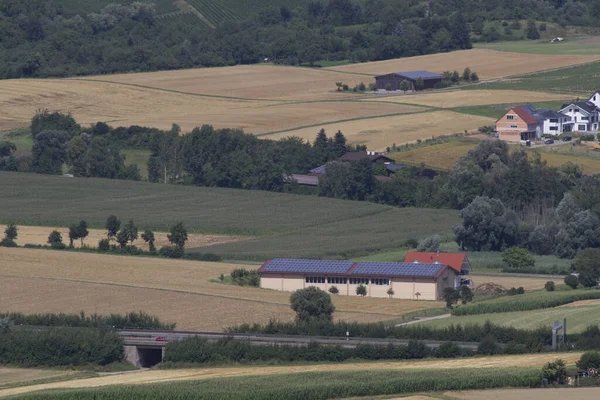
(59, 347)
(132, 320)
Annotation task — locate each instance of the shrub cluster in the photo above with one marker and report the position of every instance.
(132, 320)
(59, 347)
(533, 340)
(200, 351)
(244, 277)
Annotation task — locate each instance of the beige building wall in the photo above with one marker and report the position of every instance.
(404, 288)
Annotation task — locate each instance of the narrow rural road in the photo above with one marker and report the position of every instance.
(425, 319)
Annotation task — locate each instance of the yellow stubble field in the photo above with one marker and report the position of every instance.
(379, 133)
(39, 235)
(460, 98)
(489, 64)
(181, 291)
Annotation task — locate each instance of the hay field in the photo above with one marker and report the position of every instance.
(39, 235)
(22, 376)
(157, 376)
(463, 98)
(175, 290)
(379, 133)
(283, 116)
(527, 394)
(489, 64)
(508, 281)
(440, 156)
(246, 81)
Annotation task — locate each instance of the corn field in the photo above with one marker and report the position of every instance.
(311, 386)
(529, 301)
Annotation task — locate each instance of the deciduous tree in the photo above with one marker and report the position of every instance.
(178, 235)
(312, 303)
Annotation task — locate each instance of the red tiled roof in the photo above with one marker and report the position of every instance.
(453, 260)
(525, 116)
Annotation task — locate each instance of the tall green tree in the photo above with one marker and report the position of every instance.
(532, 31)
(76, 150)
(312, 303)
(178, 235)
(148, 237)
(11, 232)
(587, 264)
(49, 152)
(112, 226)
(460, 33)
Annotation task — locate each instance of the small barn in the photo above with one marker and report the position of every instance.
(394, 79)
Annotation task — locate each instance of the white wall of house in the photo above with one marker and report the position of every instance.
(555, 126)
(582, 120)
(595, 98)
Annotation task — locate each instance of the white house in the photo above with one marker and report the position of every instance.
(584, 114)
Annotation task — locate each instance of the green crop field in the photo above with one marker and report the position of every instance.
(578, 318)
(581, 81)
(498, 110)
(308, 385)
(569, 46)
(292, 225)
(525, 302)
(345, 238)
(217, 11)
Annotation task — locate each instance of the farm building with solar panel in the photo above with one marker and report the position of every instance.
(394, 80)
(407, 280)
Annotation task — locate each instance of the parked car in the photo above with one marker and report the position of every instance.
(549, 141)
(567, 139)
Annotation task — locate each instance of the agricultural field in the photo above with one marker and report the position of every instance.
(82, 7)
(570, 46)
(235, 378)
(318, 227)
(39, 235)
(380, 133)
(526, 394)
(579, 315)
(279, 101)
(489, 64)
(14, 377)
(443, 156)
(579, 80)
(178, 291)
(461, 98)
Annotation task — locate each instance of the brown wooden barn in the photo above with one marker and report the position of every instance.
(394, 79)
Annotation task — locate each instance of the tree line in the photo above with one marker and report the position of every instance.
(41, 39)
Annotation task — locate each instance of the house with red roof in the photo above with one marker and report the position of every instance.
(457, 261)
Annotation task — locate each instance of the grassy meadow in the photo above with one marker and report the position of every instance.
(570, 46)
(578, 318)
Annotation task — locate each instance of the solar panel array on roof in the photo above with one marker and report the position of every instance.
(319, 170)
(396, 269)
(420, 74)
(308, 266)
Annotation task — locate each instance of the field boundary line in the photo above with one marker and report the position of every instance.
(181, 291)
(341, 121)
(214, 96)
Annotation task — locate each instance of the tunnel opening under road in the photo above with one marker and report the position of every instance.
(149, 357)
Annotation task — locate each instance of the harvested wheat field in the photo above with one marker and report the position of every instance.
(246, 81)
(176, 290)
(379, 133)
(528, 394)
(460, 98)
(489, 64)
(90, 102)
(155, 376)
(21, 376)
(528, 283)
(39, 235)
(285, 116)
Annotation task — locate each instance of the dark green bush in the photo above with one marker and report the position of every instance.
(488, 346)
(589, 359)
(572, 281)
(244, 277)
(8, 243)
(171, 252)
(104, 245)
(202, 256)
(549, 286)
